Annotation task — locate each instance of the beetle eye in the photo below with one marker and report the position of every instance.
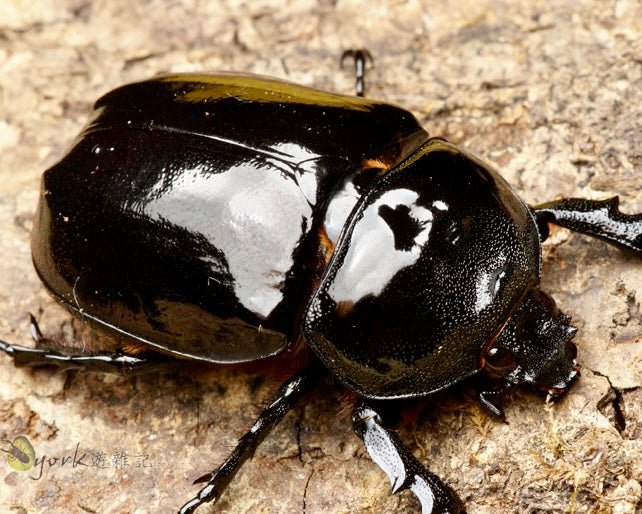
(500, 361)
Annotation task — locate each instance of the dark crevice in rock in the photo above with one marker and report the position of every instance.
(612, 405)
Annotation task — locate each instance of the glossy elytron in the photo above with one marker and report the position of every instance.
(228, 218)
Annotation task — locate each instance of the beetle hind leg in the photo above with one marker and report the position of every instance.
(403, 469)
(360, 57)
(108, 362)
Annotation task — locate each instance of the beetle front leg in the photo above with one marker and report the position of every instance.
(403, 469)
(597, 218)
(288, 396)
(491, 400)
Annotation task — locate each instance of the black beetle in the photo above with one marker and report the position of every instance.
(229, 218)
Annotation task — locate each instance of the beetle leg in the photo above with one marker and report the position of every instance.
(403, 469)
(110, 362)
(598, 218)
(288, 396)
(360, 56)
(491, 400)
(116, 362)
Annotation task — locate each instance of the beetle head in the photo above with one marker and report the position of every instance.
(535, 347)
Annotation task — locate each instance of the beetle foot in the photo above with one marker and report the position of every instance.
(216, 483)
(207, 494)
(492, 400)
(24, 356)
(360, 56)
(403, 469)
(21, 355)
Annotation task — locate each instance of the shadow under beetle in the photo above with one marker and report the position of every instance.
(229, 218)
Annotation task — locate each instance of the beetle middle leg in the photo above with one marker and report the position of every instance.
(288, 396)
(108, 362)
(403, 469)
(597, 218)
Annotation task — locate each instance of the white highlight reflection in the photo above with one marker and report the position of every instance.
(251, 213)
(372, 259)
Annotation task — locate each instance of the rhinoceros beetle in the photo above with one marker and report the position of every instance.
(229, 218)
